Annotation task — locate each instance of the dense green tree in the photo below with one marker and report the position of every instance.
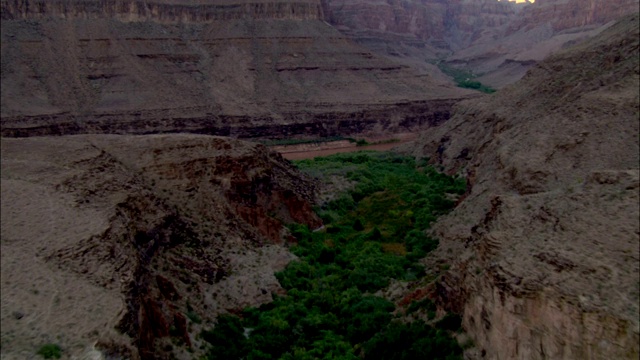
(374, 232)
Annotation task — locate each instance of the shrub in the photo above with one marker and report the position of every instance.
(357, 225)
(227, 339)
(425, 303)
(365, 318)
(50, 351)
(410, 341)
(194, 317)
(419, 244)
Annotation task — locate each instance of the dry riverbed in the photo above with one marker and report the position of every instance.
(311, 150)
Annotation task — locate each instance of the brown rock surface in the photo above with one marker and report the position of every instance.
(138, 233)
(238, 68)
(547, 239)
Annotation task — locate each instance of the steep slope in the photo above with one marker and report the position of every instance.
(546, 241)
(237, 68)
(123, 243)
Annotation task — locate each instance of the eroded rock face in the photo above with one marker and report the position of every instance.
(143, 234)
(237, 68)
(547, 238)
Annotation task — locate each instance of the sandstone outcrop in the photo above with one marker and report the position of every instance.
(236, 68)
(148, 235)
(547, 238)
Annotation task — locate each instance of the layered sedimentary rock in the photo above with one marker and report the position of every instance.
(120, 244)
(547, 238)
(237, 69)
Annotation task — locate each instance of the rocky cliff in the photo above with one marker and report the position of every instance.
(236, 68)
(547, 238)
(147, 235)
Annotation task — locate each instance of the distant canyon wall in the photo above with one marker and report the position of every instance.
(567, 14)
(236, 68)
(455, 22)
(162, 11)
(462, 22)
(497, 40)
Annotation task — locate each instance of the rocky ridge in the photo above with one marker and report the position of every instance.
(147, 235)
(548, 232)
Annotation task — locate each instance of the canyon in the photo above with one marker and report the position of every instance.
(132, 215)
(267, 69)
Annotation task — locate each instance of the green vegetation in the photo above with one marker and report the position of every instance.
(425, 304)
(464, 78)
(373, 233)
(50, 351)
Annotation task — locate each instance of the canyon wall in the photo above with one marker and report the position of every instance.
(120, 67)
(547, 237)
